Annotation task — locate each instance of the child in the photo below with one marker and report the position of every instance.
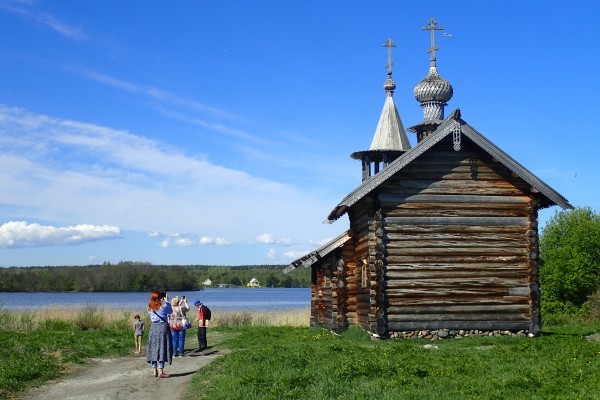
(138, 332)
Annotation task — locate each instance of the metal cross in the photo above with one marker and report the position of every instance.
(432, 27)
(389, 44)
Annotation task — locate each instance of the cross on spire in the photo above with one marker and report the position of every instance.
(389, 44)
(432, 27)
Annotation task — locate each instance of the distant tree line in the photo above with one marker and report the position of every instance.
(138, 276)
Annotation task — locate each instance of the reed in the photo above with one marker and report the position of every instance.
(94, 317)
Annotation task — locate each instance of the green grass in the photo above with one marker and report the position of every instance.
(270, 362)
(302, 363)
(35, 350)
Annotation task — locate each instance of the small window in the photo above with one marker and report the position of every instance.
(364, 281)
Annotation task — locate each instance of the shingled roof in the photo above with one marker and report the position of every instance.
(452, 125)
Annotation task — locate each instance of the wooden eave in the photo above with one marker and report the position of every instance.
(550, 196)
(312, 257)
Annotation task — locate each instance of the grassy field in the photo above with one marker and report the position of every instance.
(276, 356)
(302, 363)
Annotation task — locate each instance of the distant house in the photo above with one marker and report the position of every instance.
(253, 283)
(207, 282)
(443, 235)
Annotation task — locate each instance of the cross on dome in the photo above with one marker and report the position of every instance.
(432, 27)
(389, 44)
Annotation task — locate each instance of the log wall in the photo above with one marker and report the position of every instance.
(461, 244)
(329, 294)
(361, 309)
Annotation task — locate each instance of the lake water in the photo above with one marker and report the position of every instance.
(217, 298)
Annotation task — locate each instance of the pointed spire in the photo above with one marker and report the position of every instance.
(390, 139)
(390, 134)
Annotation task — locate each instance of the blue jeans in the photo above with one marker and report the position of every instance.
(178, 341)
(161, 364)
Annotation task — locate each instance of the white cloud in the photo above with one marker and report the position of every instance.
(293, 255)
(267, 238)
(16, 234)
(208, 241)
(67, 171)
(284, 241)
(271, 254)
(178, 242)
(21, 8)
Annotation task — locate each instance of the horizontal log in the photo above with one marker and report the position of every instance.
(462, 236)
(458, 317)
(393, 259)
(451, 211)
(461, 229)
(454, 274)
(466, 325)
(465, 242)
(443, 292)
(392, 194)
(459, 175)
(463, 267)
(513, 286)
(457, 251)
(401, 185)
(478, 221)
(459, 309)
(458, 300)
(517, 201)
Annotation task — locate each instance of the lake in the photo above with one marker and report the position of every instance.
(217, 298)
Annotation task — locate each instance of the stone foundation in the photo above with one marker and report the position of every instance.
(454, 334)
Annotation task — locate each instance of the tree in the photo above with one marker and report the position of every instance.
(570, 259)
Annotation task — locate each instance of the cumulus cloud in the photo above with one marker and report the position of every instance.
(207, 241)
(53, 169)
(267, 238)
(15, 234)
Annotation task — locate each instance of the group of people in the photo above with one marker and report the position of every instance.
(167, 330)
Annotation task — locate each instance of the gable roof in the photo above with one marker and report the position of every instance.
(308, 259)
(454, 124)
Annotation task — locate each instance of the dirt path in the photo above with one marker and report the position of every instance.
(128, 377)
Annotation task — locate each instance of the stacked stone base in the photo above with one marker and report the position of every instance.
(454, 334)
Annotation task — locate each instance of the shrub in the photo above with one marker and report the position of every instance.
(570, 260)
(90, 318)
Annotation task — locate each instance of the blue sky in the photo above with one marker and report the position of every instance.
(197, 132)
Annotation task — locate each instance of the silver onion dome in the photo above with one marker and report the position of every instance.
(433, 88)
(434, 91)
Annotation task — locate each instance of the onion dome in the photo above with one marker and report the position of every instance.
(434, 91)
(389, 84)
(433, 88)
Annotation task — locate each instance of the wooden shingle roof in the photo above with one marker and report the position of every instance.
(454, 124)
(308, 259)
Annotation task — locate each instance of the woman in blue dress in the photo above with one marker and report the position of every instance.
(160, 345)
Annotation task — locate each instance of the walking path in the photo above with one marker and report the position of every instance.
(128, 378)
